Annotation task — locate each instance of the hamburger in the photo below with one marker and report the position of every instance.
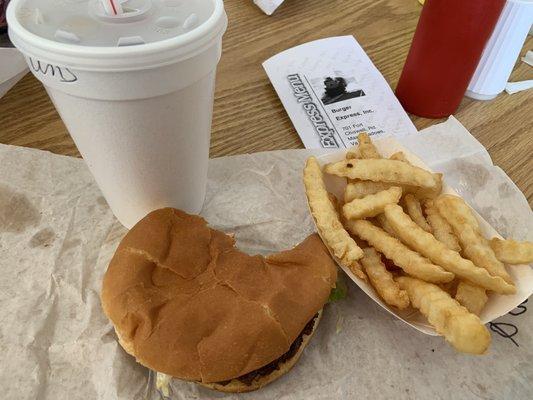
(185, 302)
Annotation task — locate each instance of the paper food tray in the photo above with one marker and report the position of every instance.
(496, 306)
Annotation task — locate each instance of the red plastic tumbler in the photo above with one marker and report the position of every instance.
(448, 42)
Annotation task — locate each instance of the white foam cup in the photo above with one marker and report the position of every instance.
(135, 91)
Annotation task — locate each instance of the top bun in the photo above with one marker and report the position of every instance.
(184, 301)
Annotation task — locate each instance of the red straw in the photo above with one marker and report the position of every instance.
(113, 6)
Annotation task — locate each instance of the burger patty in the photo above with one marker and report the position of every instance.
(248, 378)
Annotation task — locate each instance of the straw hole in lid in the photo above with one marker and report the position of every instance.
(190, 22)
(66, 36)
(130, 41)
(167, 22)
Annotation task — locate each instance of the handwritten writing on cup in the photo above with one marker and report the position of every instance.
(64, 74)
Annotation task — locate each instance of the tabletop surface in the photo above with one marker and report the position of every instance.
(249, 117)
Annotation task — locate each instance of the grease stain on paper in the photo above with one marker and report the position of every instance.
(17, 213)
(44, 238)
(101, 201)
(505, 190)
(70, 244)
(476, 175)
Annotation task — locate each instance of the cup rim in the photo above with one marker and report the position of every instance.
(135, 57)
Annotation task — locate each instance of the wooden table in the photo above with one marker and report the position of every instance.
(248, 116)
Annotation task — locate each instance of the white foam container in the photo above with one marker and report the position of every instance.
(140, 114)
(502, 50)
(497, 304)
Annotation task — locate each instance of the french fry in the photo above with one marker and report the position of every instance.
(384, 224)
(455, 211)
(382, 280)
(475, 246)
(462, 329)
(399, 156)
(384, 170)
(359, 189)
(426, 244)
(512, 252)
(371, 205)
(441, 229)
(358, 271)
(437, 242)
(336, 204)
(450, 287)
(355, 267)
(414, 209)
(409, 261)
(327, 221)
(364, 149)
(425, 193)
(471, 296)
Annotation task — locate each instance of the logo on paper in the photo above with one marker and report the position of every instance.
(315, 116)
(335, 90)
(63, 73)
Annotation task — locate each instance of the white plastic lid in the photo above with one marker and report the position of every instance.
(119, 34)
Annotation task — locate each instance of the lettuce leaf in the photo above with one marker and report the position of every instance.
(339, 292)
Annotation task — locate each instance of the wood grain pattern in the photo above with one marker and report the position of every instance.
(248, 116)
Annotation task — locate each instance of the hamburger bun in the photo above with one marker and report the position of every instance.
(185, 302)
(237, 386)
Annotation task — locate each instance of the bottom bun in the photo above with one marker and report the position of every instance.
(237, 386)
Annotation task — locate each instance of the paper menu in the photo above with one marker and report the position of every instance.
(332, 92)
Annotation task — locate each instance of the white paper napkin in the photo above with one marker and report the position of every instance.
(57, 236)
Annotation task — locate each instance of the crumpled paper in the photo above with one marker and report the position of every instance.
(268, 6)
(57, 236)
